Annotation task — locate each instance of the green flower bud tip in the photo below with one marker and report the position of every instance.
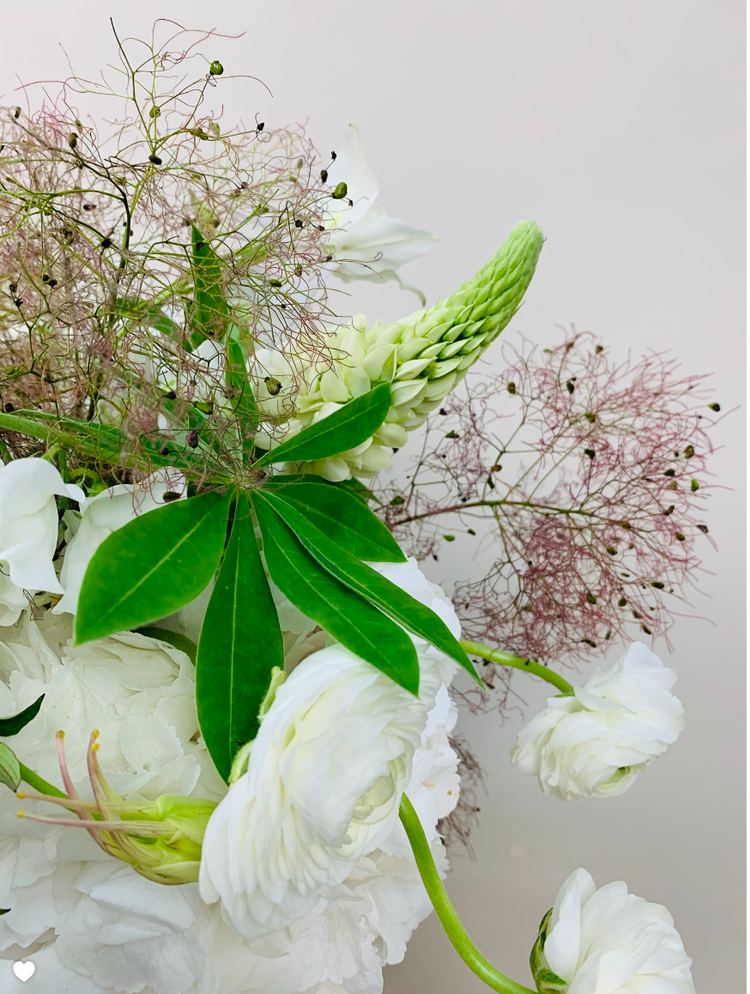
(546, 981)
(10, 768)
(216, 68)
(160, 839)
(340, 191)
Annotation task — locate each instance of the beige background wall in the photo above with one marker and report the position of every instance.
(617, 125)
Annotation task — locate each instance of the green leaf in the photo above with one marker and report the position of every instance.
(10, 768)
(152, 566)
(358, 487)
(369, 584)
(341, 515)
(350, 619)
(12, 726)
(179, 641)
(240, 392)
(346, 428)
(240, 644)
(209, 314)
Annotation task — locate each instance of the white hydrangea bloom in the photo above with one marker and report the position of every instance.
(608, 941)
(100, 516)
(91, 924)
(28, 531)
(365, 243)
(595, 743)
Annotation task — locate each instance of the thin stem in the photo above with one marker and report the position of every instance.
(39, 783)
(445, 911)
(519, 663)
(499, 502)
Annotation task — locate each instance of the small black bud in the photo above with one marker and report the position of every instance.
(333, 156)
(589, 642)
(169, 496)
(611, 550)
(591, 598)
(702, 528)
(155, 159)
(470, 531)
(646, 629)
(590, 417)
(715, 407)
(680, 537)
(72, 139)
(171, 395)
(192, 439)
(689, 452)
(590, 453)
(8, 408)
(106, 243)
(297, 223)
(658, 584)
(165, 451)
(16, 113)
(598, 349)
(497, 467)
(622, 602)
(669, 472)
(324, 175)
(570, 386)
(442, 411)
(669, 510)
(216, 68)
(396, 501)
(511, 387)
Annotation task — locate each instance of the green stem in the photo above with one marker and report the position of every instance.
(445, 911)
(39, 783)
(507, 659)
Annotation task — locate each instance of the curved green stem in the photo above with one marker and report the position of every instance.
(39, 783)
(445, 911)
(519, 663)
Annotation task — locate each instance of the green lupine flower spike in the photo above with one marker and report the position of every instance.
(423, 356)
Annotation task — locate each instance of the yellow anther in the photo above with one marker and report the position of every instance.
(21, 814)
(94, 747)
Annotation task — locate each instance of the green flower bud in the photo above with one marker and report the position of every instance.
(546, 981)
(216, 68)
(10, 769)
(160, 839)
(341, 191)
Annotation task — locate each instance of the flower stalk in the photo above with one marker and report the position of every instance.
(519, 663)
(445, 911)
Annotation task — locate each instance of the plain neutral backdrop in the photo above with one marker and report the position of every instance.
(618, 126)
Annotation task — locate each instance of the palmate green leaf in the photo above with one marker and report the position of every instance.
(209, 314)
(179, 641)
(240, 644)
(152, 566)
(346, 428)
(350, 619)
(340, 514)
(369, 584)
(14, 724)
(239, 389)
(97, 441)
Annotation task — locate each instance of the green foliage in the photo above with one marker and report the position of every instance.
(346, 428)
(181, 642)
(342, 515)
(357, 624)
(10, 768)
(367, 582)
(152, 566)
(14, 724)
(209, 313)
(240, 644)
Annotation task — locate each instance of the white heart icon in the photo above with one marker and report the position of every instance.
(24, 971)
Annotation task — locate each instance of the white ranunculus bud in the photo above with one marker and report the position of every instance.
(103, 514)
(608, 941)
(596, 742)
(324, 782)
(28, 530)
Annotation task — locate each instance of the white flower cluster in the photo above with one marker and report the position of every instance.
(93, 925)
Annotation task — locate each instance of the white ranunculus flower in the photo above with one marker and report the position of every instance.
(91, 924)
(608, 941)
(100, 516)
(363, 231)
(322, 789)
(28, 530)
(595, 743)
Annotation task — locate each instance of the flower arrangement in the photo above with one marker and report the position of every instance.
(226, 686)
